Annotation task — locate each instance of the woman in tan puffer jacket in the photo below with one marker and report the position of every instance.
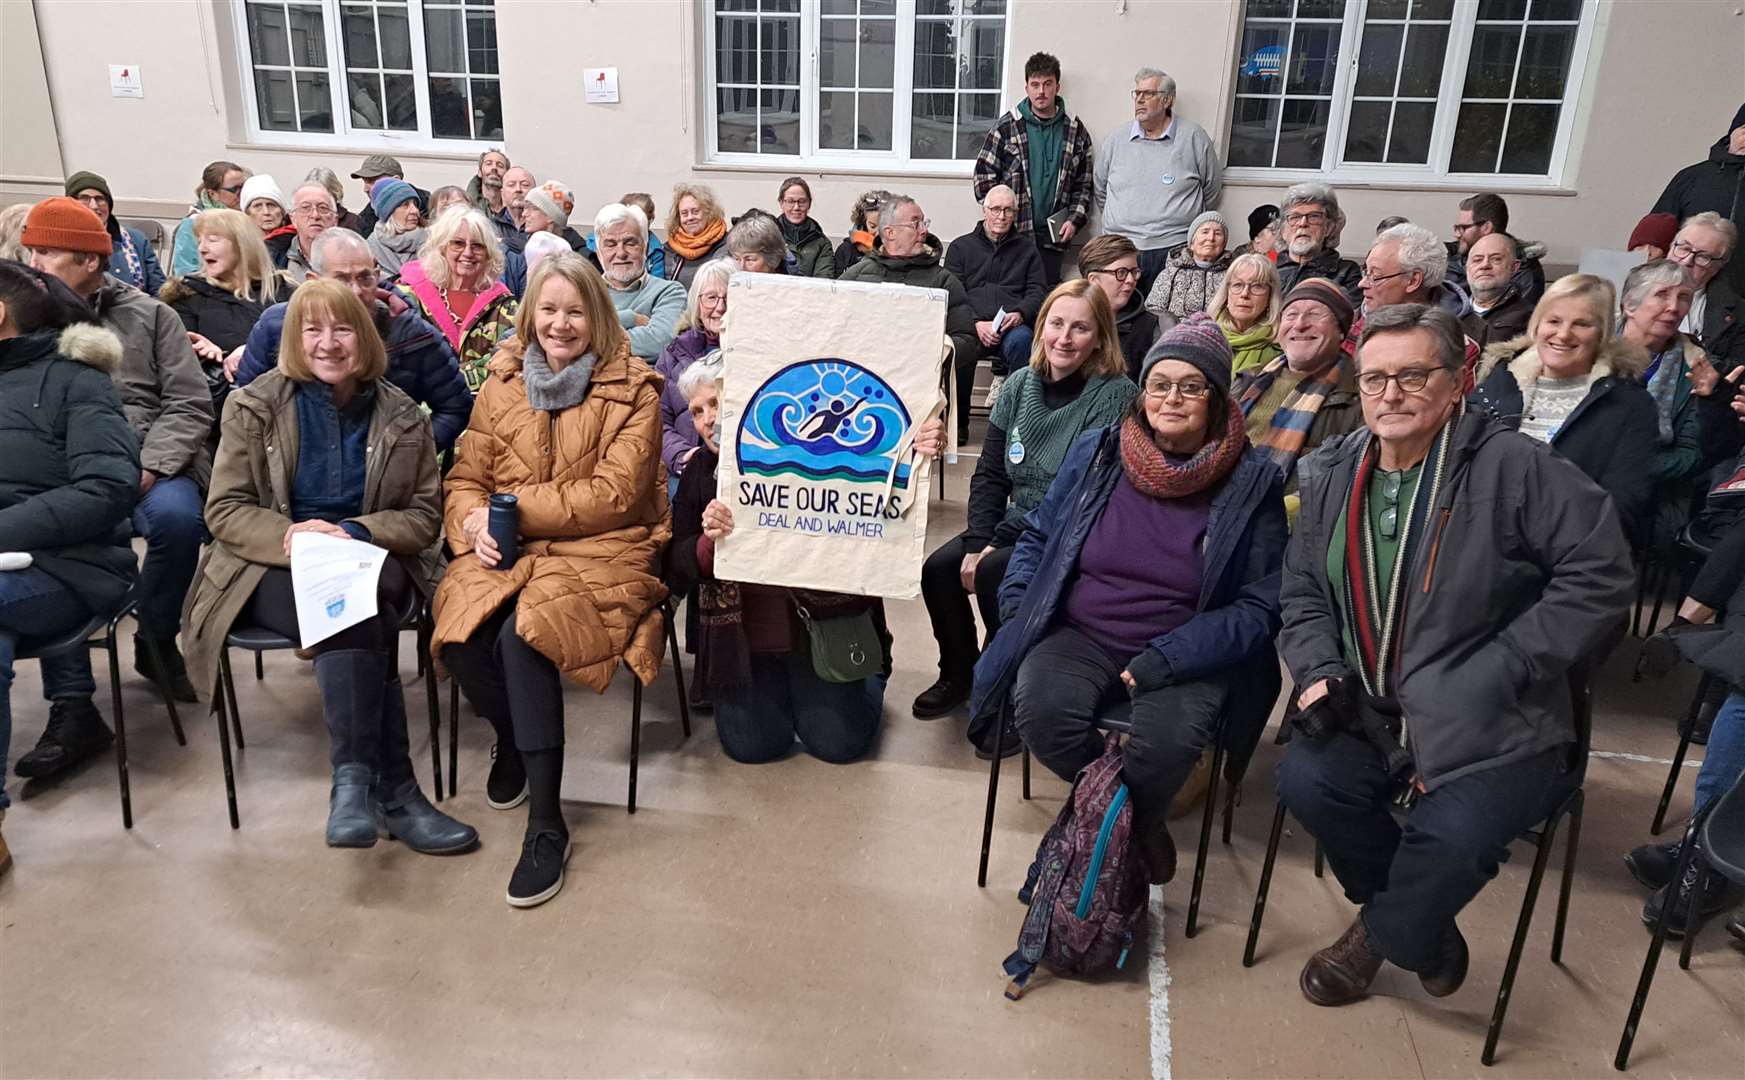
(567, 421)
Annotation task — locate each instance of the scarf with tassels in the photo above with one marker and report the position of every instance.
(1287, 431)
(697, 245)
(1152, 472)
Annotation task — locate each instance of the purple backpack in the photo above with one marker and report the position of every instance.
(1087, 889)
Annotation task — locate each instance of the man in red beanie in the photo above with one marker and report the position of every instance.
(1652, 236)
(164, 394)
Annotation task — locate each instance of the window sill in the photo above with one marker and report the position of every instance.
(789, 168)
(416, 153)
(1466, 184)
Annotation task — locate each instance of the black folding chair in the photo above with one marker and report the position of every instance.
(1718, 831)
(260, 641)
(1687, 726)
(81, 637)
(1543, 837)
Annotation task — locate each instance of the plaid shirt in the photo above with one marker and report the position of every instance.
(1005, 159)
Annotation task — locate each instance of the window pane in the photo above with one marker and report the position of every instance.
(482, 44)
(1252, 127)
(445, 46)
(1378, 60)
(935, 56)
(1268, 9)
(1410, 144)
(1432, 9)
(266, 39)
(780, 51)
(1545, 61)
(359, 27)
(1314, 60)
(1321, 9)
(487, 109)
(1490, 71)
(742, 5)
(363, 93)
(450, 115)
(1366, 133)
(878, 53)
(736, 121)
(273, 98)
(836, 121)
(840, 7)
(876, 128)
(976, 113)
(314, 101)
(1262, 58)
(786, 6)
(1569, 10)
(396, 38)
(1385, 9)
(836, 51)
(1532, 131)
(1502, 9)
(930, 126)
(308, 40)
(950, 7)
(736, 50)
(1303, 134)
(1476, 138)
(878, 7)
(984, 44)
(1421, 73)
(402, 103)
(779, 122)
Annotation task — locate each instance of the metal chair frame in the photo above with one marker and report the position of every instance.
(1686, 725)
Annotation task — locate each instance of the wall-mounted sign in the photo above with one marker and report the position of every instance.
(124, 81)
(600, 86)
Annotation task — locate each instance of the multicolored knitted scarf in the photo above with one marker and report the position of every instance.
(1149, 469)
(1289, 428)
(696, 245)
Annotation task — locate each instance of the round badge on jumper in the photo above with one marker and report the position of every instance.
(1015, 453)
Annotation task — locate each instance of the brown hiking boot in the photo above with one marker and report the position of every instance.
(1341, 973)
(1451, 965)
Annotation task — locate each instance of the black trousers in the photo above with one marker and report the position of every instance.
(510, 683)
(954, 626)
(1052, 257)
(274, 607)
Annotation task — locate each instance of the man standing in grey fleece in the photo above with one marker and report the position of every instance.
(1153, 178)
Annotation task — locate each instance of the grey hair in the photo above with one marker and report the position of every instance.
(714, 272)
(1166, 87)
(1709, 219)
(326, 242)
(1417, 248)
(889, 204)
(704, 372)
(614, 214)
(1310, 192)
(1403, 318)
(328, 179)
(759, 234)
(500, 152)
(313, 185)
(1645, 278)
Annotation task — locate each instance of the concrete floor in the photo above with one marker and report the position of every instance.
(783, 920)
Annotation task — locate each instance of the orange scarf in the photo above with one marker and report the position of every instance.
(696, 245)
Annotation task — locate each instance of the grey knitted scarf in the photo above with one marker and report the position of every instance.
(550, 391)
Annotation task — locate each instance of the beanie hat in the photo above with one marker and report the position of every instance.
(1260, 217)
(540, 246)
(1656, 229)
(261, 186)
(1196, 340)
(389, 194)
(561, 195)
(67, 224)
(1326, 293)
(1209, 215)
(541, 199)
(90, 181)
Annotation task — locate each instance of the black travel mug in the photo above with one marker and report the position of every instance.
(504, 525)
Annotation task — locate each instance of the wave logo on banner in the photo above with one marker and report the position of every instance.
(824, 420)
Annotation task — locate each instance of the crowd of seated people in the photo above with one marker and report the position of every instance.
(1424, 476)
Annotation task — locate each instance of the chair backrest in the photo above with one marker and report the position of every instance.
(1723, 839)
(151, 228)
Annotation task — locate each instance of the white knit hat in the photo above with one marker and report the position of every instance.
(261, 186)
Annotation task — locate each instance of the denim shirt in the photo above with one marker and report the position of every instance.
(331, 456)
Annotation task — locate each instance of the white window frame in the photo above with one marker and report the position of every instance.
(811, 157)
(1435, 174)
(343, 134)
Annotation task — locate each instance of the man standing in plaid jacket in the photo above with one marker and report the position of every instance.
(1044, 156)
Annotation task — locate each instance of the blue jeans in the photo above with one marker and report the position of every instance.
(836, 722)
(170, 518)
(1724, 758)
(1014, 350)
(30, 600)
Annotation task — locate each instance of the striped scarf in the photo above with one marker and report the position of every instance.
(1289, 427)
(130, 253)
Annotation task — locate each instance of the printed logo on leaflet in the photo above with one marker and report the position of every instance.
(824, 420)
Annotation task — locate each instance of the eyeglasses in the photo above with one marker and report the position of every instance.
(313, 210)
(1120, 273)
(919, 225)
(1390, 494)
(1699, 258)
(797, 203)
(232, 189)
(1146, 95)
(1314, 217)
(1247, 288)
(1410, 380)
(1375, 279)
(1462, 227)
(1000, 211)
(1192, 390)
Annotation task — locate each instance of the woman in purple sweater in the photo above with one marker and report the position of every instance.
(699, 333)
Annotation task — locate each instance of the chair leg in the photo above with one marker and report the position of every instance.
(635, 736)
(120, 729)
(168, 698)
(1211, 812)
(230, 699)
(1642, 574)
(1278, 824)
(453, 734)
(1231, 797)
(1661, 582)
(433, 705)
(260, 671)
(1320, 860)
(1026, 770)
(219, 711)
(1577, 803)
(672, 640)
(1495, 1031)
(1692, 924)
(1686, 851)
(1671, 778)
(988, 816)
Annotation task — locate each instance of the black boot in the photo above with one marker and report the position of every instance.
(353, 684)
(506, 786)
(943, 697)
(398, 806)
(75, 732)
(158, 660)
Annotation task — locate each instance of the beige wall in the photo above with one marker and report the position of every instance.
(1641, 126)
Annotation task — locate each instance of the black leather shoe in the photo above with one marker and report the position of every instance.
(941, 698)
(1341, 973)
(349, 821)
(75, 732)
(1158, 847)
(1652, 864)
(506, 786)
(173, 675)
(1451, 971)
(539, 875)
(409, 818)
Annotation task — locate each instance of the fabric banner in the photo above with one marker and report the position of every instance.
(824, 384)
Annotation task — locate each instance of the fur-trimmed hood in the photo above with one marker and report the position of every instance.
(1617, 357)
(92, 345)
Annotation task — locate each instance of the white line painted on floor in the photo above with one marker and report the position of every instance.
(1159, 991)
(1619, 755)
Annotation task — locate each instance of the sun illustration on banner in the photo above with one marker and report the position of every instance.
(824, 420)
